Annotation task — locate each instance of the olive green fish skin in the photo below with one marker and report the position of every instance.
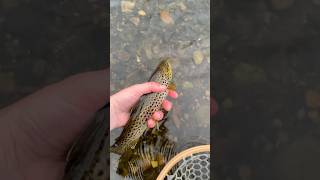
(152, 146)
(149, 104)
(87, 159)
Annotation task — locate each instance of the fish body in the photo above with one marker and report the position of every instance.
(144, 109)
(87, 159)
(152, 152)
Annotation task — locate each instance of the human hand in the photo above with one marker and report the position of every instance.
(124, 100)
(36, 132)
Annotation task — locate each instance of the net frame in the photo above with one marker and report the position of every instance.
(180, 157)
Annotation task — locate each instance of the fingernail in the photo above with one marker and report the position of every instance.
(176, 95)
(151, 123)
(157, 115)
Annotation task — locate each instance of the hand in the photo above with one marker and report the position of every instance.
(124, 100)
(36, 132)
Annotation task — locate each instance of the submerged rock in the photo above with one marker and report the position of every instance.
(127, 6)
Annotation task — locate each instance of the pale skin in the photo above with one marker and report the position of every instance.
(124, 100)
(36, 132)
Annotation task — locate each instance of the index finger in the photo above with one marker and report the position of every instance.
(146, 88)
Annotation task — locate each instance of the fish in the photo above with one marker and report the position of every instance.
(152, 152)
(143, 110)
(87, 158)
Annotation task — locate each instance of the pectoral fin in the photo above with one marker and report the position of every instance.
(172, 86)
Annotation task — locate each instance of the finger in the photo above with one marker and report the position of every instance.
(148, 87)
(151, 123)
(167, 105)
(158, 115)
(173, 94)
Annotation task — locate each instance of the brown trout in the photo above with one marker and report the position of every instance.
(87, 159)
(150, 155)
(144, 109)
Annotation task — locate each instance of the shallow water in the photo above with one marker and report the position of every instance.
(137, 44)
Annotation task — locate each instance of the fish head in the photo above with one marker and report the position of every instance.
(165, 68)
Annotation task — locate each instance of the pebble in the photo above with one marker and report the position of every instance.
(156, 49)
(138, 59)
(197, 57)
(135, 20)
(182, 6)
(127, 6)
(207, 93)
(141, 13)
(166, 17)
(123, 55)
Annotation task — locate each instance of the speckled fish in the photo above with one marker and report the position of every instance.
(144, 109)
(152, 152)
(87, 159)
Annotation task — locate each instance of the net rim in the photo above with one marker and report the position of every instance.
(181, 156)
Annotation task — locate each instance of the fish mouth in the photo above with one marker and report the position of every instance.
(166, 61)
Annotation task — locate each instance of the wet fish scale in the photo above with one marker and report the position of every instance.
(87, 159)
(152, 152)
(97, 170)
(147, 105)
